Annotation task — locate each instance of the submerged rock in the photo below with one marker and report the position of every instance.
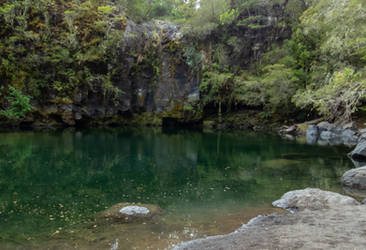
(312, 199)
(129, 213)
(355, 178)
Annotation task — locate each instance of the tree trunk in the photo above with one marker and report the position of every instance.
(220, 113)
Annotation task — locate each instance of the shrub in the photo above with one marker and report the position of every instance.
(338, 99)
(19, 104)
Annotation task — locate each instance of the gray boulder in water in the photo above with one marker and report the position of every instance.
(326, 126)
(349, 137)
(362, 137)
(312, 134)
(129, 213)
(355, 178)
(359, 153)
(312, 199)
(327, 135)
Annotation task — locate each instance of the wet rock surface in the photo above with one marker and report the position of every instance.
(129, 213)
(334, 226)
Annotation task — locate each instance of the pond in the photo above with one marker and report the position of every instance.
(52, 184)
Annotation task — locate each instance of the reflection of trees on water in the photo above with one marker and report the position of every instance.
(72, 175)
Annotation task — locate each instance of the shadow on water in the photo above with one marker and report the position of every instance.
(53, 183)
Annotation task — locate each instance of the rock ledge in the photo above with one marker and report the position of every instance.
(338, 224)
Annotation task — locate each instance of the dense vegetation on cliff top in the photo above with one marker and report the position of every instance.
(305, 56)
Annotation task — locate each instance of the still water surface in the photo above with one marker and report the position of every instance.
(52, 184)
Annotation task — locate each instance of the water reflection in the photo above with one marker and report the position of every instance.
(53, 183)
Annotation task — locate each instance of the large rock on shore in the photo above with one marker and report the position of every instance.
(337, 228)
(313, 199)
(355, 178)
(341, 226)
(327, 133)
(129, 213)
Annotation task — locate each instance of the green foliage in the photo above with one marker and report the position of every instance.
(228, 16)
(329, 44)
(338, 99)
(193, 58)
(340, 25)
(18, 104)
(272, 90)
(67, 46)
(217, 88)
(207, 18)
(107, 9)
(62, 46)
(280, 85)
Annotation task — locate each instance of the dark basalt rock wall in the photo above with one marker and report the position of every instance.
(150, 75)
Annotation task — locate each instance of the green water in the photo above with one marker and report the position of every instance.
(53, 183)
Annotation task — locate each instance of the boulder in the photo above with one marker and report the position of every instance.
(312, 199)
(331, 138)
(359, 153)
(350, 125)
(358, 164)
(355, 178)
(358, 193)
(312, 134)
(362, 137)
(363, 131)
(328, 136)
(129, 213)
(325, 126)
(349, 137)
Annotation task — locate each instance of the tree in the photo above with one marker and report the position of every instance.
(338, 99)
(217, 88)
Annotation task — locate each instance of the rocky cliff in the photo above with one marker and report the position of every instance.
(150, 76)
(94, 66)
